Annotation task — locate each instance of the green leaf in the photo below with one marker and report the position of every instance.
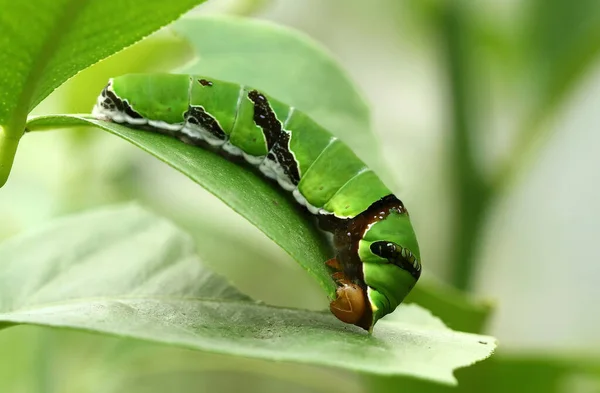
(124, 272)
(287, 65)
(260, 202)
(45, 42)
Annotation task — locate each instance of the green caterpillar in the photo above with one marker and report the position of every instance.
(377, 259)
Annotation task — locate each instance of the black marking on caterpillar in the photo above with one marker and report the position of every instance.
(396, 255)
(205, 82)
(197, 115)
(285, 158)
(112, 102)
(265, 118)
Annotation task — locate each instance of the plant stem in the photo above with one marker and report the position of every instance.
(8, 149)
(471, 193)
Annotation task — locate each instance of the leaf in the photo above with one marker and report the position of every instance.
(287, 65)
(262, 203)
(112, 252)
(58, 39)
(125, 272)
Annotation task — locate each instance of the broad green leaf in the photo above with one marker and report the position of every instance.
(287, 65)
(45, 42)
(260, 202)
(124, 272)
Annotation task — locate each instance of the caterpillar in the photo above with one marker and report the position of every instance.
(376, 259)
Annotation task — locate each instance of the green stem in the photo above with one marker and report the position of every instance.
(8, 149)
(471, 193)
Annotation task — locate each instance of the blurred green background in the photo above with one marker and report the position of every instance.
(485, 114)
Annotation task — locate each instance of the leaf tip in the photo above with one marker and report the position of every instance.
(8, 149)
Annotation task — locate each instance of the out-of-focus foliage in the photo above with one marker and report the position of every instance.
(459, 310)
(526, 373)
(557, 45)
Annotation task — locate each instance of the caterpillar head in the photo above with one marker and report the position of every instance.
(391, 262)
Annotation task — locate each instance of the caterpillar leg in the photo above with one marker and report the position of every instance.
(334, 264)
(349, 304)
